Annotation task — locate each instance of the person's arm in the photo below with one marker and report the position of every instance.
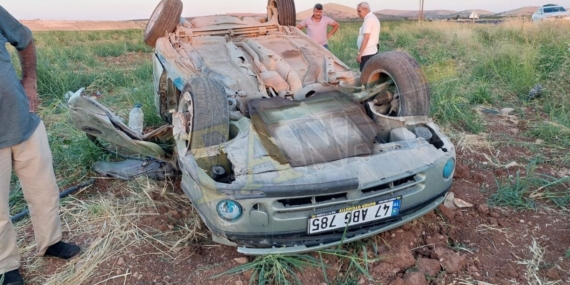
(301, 24)
(362, 47)
(28, 62)
(335, 26)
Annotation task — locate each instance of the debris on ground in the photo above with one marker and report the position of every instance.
(535, 92)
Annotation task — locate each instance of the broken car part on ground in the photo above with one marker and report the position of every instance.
(282, 147)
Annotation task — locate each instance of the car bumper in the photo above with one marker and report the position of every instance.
(412, 214)
(276, 221)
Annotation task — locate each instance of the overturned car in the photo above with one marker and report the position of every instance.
(282, 147)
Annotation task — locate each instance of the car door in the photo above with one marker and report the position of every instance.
(536, 15)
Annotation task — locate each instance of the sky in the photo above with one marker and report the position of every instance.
(107, 10)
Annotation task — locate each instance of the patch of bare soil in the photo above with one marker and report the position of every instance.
(464, 241)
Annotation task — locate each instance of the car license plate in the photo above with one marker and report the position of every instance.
(354, 215)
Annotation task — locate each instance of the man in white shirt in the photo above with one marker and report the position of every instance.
(317, 26)
(369, 34)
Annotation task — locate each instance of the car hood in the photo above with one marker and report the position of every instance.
(322, 128)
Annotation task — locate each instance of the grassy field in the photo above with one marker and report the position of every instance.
(469, 67)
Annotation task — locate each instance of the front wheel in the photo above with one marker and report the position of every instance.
(203, 113)
(408, 87)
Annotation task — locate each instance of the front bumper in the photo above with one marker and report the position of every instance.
(408, 216)
(275, 221)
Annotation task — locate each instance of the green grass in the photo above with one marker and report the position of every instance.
(279, 269)
(523, 191)
(513, 192)
(552, 133)
(274, 269)
(355, 258)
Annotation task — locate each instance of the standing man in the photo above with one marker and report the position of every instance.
(369, 34)
(24, 148)
(317, 26)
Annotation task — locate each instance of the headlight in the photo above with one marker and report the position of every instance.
(448, 168)
(229, 210)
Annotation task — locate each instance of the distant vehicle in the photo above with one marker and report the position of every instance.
(550, 12)
(282, 147)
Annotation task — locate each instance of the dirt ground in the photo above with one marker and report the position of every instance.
(472, 244)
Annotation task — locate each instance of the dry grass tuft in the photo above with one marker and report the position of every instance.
(473, 143)
(533, 265)
(114, 223)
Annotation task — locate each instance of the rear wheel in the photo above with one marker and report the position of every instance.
(408, 90)
(285, 11)
(163, 20)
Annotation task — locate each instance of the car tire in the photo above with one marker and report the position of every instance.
(163, 20)
(408, 81)
(286, 12)
(211, 116)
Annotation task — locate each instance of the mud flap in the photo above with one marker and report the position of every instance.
(96, 120)
(131, 168)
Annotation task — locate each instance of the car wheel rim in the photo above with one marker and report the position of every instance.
(381, 76)
(271, 8)
(182, 123)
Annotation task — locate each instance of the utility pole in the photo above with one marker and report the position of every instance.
(421, 12)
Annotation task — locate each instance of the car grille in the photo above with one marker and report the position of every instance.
(297, 238)
(308, 204)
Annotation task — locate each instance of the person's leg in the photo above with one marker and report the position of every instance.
(33, 166)
(9, 253)
(363, 60)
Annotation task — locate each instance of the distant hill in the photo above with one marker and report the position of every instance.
(335, 11)
(398, 13)
(412, 14)
(254, 15)
(390, 14)
(520, 12)
(343, 13)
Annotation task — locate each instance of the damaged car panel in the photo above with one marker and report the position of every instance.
(98, 121)
(282, 147)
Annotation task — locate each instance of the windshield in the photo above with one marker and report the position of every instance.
(554, 9)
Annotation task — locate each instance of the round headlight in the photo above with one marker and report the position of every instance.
(448, 168)
(229, 210)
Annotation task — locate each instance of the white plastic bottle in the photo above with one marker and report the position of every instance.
(136, 117)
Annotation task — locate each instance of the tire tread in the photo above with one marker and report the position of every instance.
(211, 112)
